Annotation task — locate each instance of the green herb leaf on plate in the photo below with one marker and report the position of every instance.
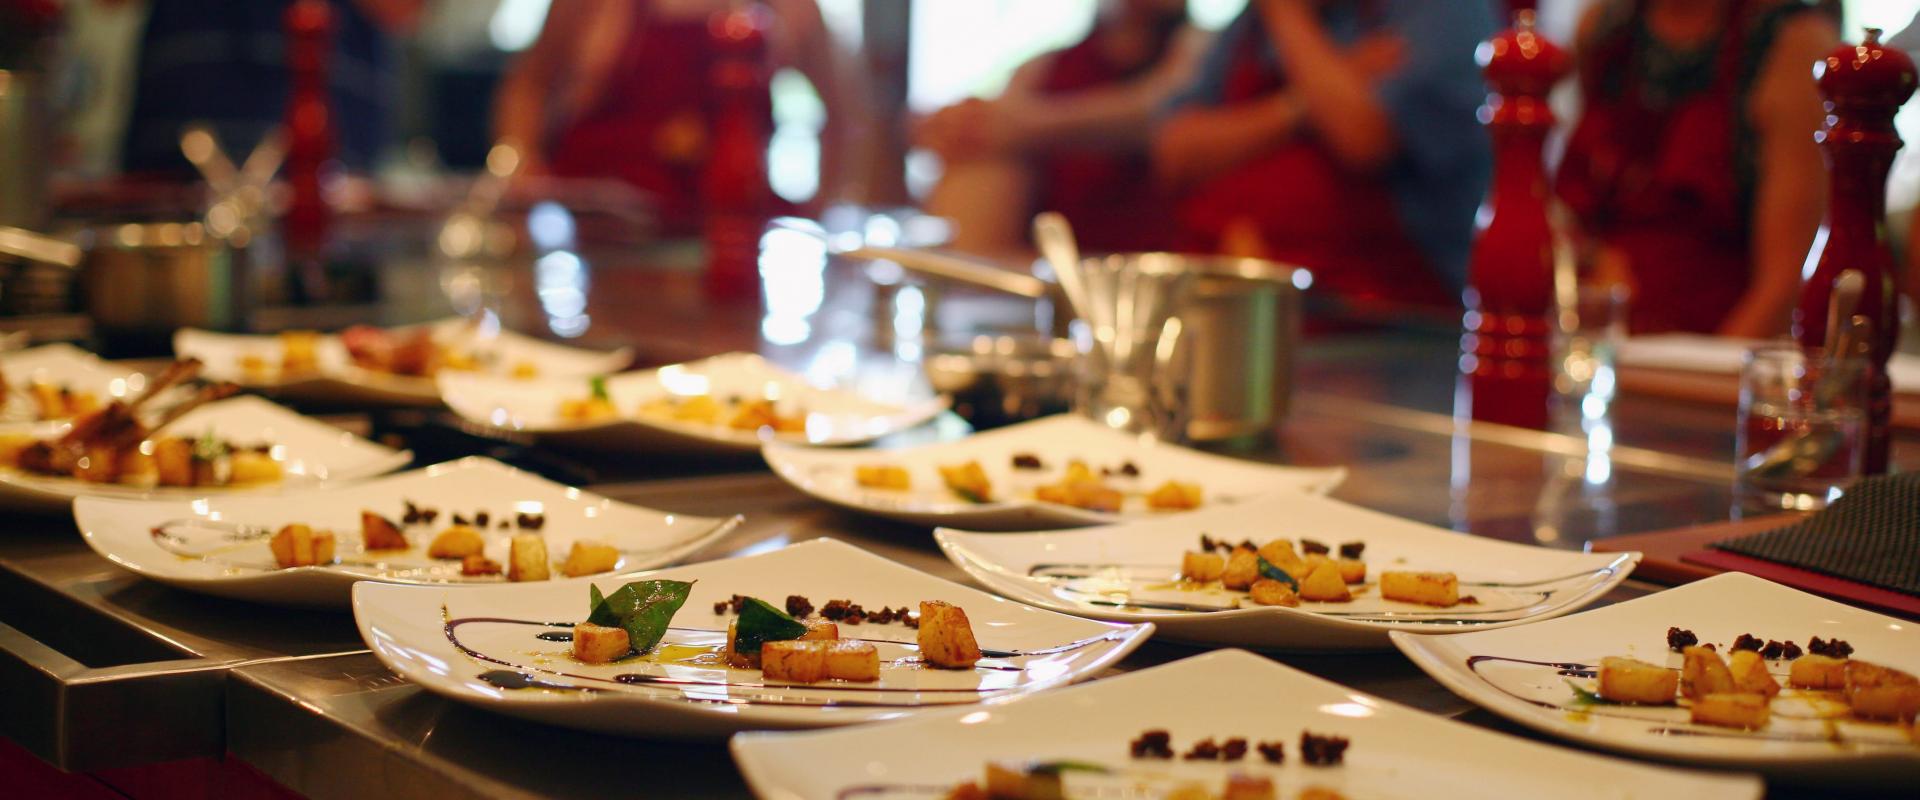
(760, 623)
(1268, 570)
(598, 385)
(643, 608)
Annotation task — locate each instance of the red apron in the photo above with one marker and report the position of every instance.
(1310, 210)
(1111, 198)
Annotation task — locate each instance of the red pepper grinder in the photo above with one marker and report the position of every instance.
(310, 140)
(733, 183)
(1863, 85)
(1509, 297)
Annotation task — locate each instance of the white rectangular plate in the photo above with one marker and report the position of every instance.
(1394, 751)
(1129, 572)
(1493, 669)
(311, 454)
(834, 417)
(446, 639)
(339, 380)
(198, 558)
(60, 365)
(829, 475)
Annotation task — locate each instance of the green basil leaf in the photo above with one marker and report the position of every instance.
(598, 385)
(1268, 570)
(599, 614)
(760, 623)
(1586, 697)
(969, 495)
(643, 608)
(1057, 767)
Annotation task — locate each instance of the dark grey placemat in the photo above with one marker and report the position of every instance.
(1870, 535)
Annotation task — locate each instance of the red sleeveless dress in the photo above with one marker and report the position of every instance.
(1660, 166)
(652, 123)
(1310, 210)
(1111, 197)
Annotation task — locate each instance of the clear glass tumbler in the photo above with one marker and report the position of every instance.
(1802, 427)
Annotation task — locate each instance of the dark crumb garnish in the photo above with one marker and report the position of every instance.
(1746, 641)
(505, 524)
(1234, 750)
(1273, 752)
(412, 514)
(1352, 550)
(1152, 744)
(530, 522)
(1203, 750)
(1680, 639)
(737, 602)
(798, 606)
(1469, 599)
(428, 515)
(1309, 547)
(1325, 751)
(719, 606)
(1831, 648)
(481, 518)
(460, 520)
(1130, 470)
(1247, 544)
(1791, 651)
(1027, 461)
(836, 610)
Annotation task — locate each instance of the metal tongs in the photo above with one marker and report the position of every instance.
(239, 192)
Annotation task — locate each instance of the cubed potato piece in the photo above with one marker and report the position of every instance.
(795, 661)
(968, 790)
(458, 541)
(1426, 588)
(1878, 692)
(1627, 680)
(1750, 674)
(1324, 585)
(252, 467)
(1194, 790)
(698, 408)
(1198, 566)
(527, 558)
(1813, 671)
(1174, 496)
(101, 464)
(881, 476)
(478, 564)
(137, 468)
(1241, 786)
(1279, 553)
(1243, 568)
(599, 644)
(298, 545)
(946, 639)
(1007, 780)
(820, 630)
(1314, 560)
(1269, 592)
(11, 445)
(379, 533)
(853, 661)
(1703, 673)
(1352, 570)
(968, 480)
(173, 459)
(1320, 793)
(524, 370)
(588, 557)
(1730, 710)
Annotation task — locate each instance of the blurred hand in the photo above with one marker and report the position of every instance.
(1377, 56)
(968, 130)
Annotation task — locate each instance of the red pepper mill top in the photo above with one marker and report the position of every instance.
(1864, 86)
(310, 144)
(734, 184)
(1506, 347)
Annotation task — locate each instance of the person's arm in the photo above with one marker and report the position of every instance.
(1790, 195)
(1115, 117)
(561, 72)
(1203, 141)
(1337, 96)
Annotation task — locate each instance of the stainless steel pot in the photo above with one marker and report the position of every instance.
(155, 277)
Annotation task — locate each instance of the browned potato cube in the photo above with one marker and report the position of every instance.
(881, 476)
(478, 564)
(853, 661)
(101, 464)
(820, 630)
(1727, 710)
(588, 557)
(1627, 680)
(1352, 570)
(1243, 568)
(1426, 588)
(248, 467)
(1878, 692)
(1198, 566)
(1279, 553)
(379, 533)
(458, 541)
(1241, 786)
(527, 558)
(173, 460)
(1813, 671)
(1314, 560)
(946, 639)
(1009, 781)
(796, 661)
(1268, 592)
(1703, 673)
(968, 480)
(1324, 585)
(297, 545)
(1750, 674)
(1174, 496)
(1320, 793)
(599, 644)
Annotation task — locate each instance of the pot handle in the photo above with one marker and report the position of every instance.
(40, 248)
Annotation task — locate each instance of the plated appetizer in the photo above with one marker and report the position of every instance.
(668, 652)
(416, 352)
(1079, 486)
(1226, 725)
(734, 412)
(58, 382)
(1680, 675)
(1274, 574)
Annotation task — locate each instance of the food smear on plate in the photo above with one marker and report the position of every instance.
(1057, 779)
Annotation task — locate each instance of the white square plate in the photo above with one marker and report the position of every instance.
(311, 454)
(1492, 669)
(60, 365)
(829, 475)
(1129, 573)
(1394, 751)
(339, 380)
(834, 417)
(446, 639)
(197, 554)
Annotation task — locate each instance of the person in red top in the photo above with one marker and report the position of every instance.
(620, 89)
(1692, 170)
(1069, 134)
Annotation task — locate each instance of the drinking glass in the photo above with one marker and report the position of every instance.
(1589, 328)
(1802, 427)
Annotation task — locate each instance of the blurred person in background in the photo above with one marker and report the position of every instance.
(620, 89)
(224, 62)
(1338, 135)
(1692, 169)
(1069, 134)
